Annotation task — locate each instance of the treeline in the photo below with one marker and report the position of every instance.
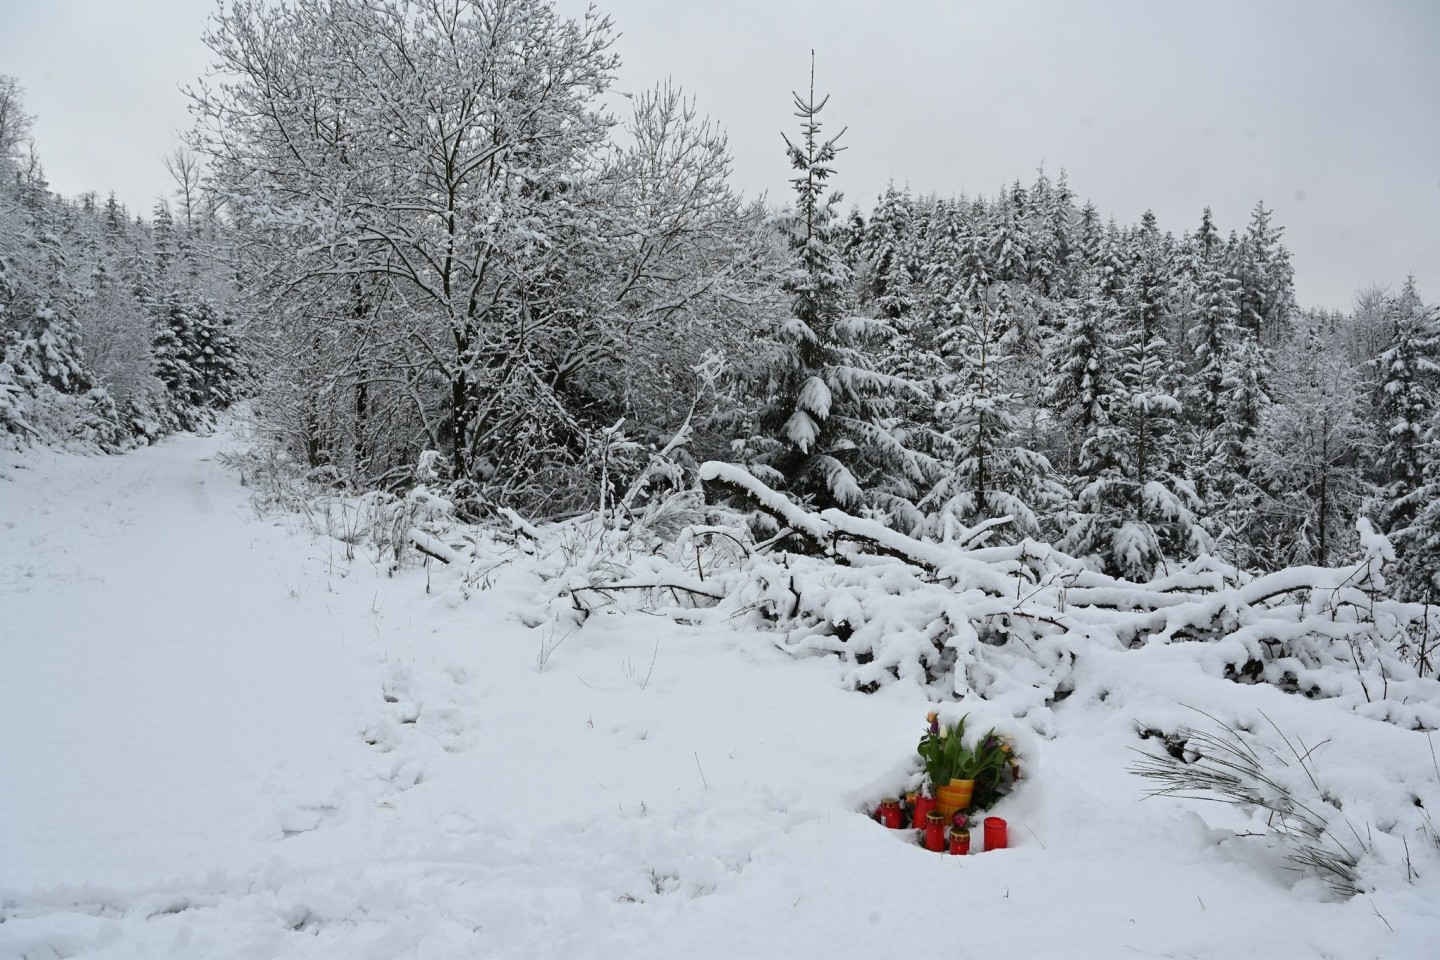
(113, 330)
(1140, 396)
(1133, 396)
(459, 267)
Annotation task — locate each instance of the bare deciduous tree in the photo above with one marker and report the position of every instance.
(15, 123)
(184, 169)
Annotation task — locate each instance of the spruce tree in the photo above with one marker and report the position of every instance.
(165, 245)
(1084, 361)
(1088, 233)
(177, 347)
(1134, 511)
(886, 253)
(826, 426)
(1153, 408)
(51, 350)
(991, 472)
(1214, 331)
(1410, 371)
(1008, 245)
(1267, 294)
(1060, 239)
(944, 291)
(1418, 545)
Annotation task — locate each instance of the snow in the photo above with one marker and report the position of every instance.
(224, 738)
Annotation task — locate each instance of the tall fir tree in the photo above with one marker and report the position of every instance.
(1410, 375)
(52, 350)
(164, 246)
(992, 472)
(1008, 244)
(1267, 291)
(827, 431)
(1419, 544)
(1149, 383)
(1213, 330)
(1059, 216)
(886, 254)
(1133, 511)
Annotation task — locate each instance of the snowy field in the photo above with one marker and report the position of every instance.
(220, 738)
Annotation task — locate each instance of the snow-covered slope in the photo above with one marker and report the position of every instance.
(220, 738)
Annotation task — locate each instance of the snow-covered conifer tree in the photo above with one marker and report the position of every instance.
(1134, 510)
(1419, 542)
(886, 251)
(51, 348)
(1408, 401)
(991, 473)
(824, 426)
(1267, 292)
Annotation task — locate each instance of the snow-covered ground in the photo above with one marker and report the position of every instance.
(220, 738)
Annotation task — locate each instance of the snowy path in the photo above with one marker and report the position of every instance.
(219, 739)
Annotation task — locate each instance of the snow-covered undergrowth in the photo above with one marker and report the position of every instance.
(1006, 624)
(1001, 628)
(355, 727)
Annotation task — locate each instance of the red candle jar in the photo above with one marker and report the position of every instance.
(890, 813)
(959, 842)
(934, 831)
(996, 833)
(923, 806)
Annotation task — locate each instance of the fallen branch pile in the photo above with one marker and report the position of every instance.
(1007, 622)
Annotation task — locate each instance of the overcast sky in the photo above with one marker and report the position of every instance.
(1329, 112)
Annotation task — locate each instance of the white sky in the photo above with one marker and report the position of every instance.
(1329, 112)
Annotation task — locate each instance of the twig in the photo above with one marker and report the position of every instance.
(786, 532)
(1298, 757)
(702, 772)
(603, 587)
(1310, 750)
(1037, 839)
(548, 647)
(653, 655)
(1379, 914)
(722, 533)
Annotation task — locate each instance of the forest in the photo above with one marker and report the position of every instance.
(456, 519)
(418, 244)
